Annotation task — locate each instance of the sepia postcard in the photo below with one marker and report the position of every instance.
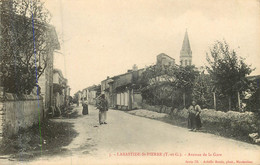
(125, 82)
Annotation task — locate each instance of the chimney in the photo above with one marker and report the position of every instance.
(135, 68)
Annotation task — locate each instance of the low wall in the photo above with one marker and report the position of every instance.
(20, 114)
(231, 122)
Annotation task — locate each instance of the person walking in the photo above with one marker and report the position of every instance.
(194, 122)
(85, 108)
(102, 105)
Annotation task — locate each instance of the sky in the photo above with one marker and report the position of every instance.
(101, 38)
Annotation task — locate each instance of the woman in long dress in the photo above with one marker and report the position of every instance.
(194, 121)
(85, 108)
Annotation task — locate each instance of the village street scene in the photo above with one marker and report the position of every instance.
(129, 82)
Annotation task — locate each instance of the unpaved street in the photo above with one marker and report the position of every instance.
(129, 139)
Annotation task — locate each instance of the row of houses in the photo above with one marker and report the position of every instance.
(124, 91)
(54, 87)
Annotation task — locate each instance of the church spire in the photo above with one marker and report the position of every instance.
(186, 45)
(186, 53)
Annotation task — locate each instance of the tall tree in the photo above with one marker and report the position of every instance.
(27, 41)
(228, 71)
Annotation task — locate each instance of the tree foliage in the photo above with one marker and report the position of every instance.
(26, 44)
(227, 70)
(202, 91)
(164, 85)
(157, 84)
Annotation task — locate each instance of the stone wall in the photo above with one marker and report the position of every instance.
(19, 114)
(236, 123)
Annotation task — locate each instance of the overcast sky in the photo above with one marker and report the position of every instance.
(101, 38)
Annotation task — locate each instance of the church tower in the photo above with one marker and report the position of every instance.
(186, 53)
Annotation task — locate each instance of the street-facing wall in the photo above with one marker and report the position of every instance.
(233, 123)
(20, 114)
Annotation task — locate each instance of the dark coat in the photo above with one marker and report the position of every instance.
(102, 104)
(194, 117)
(85, 108)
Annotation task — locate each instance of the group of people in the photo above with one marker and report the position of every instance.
(102, 105)
(194, 122)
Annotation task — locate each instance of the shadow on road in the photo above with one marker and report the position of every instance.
(47, 138)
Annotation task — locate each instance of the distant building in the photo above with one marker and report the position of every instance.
(91, 93)
(164, 59)
(61, 90)
(122, 91)
(186, 53)
(78, 97)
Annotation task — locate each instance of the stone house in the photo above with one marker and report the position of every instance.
(164, 59)
(91, 93)
(123, 91)
(61, 89)
(46, 80)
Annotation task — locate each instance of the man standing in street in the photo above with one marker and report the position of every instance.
(103, 108)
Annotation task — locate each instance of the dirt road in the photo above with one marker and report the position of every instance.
(129, 139)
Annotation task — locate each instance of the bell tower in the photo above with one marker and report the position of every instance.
(186, 53)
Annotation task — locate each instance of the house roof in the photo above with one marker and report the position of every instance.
(165, 55)
(126, 73)
(55, 70)
(93, 87)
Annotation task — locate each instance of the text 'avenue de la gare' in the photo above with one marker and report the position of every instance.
(165, 154)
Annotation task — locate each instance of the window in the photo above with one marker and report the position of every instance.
(185, 62)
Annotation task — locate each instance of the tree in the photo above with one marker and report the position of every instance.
(228, 71)
(164, 85)
(185, 80)
(157, 84)
(203, 92)
(27, 41)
